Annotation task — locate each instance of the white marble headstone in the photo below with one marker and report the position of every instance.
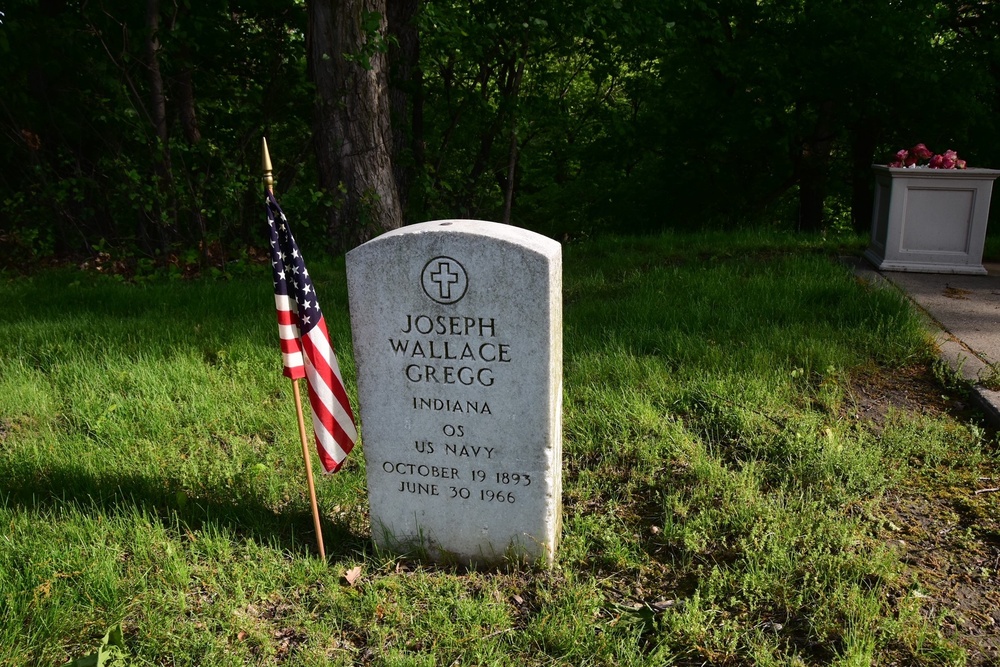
(457, 329)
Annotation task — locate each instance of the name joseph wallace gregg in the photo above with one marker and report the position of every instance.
(474, 358)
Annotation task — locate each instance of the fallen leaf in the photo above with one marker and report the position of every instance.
(352, 575)
(517, 599)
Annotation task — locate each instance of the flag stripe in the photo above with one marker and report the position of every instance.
(327, 446)
(327, 397)
(328, 388)
(288, 332)
(292, 360)
(333, 415)
(324, 357)
(327, 416)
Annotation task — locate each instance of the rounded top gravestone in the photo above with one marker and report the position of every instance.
(457, 331)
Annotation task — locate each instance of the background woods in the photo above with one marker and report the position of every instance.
(134, 128)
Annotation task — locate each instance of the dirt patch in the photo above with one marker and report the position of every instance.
(956, 293)
(950, 542)
(946, 524)
(872, 394)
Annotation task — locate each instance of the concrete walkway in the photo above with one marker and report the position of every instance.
(965, 314)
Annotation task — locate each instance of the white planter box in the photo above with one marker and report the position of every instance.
(930, 220)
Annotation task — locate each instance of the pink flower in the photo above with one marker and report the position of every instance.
(921, 151)
(921, 156)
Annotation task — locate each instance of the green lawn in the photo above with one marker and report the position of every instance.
(725, 501)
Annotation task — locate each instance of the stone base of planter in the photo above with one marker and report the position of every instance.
(930, 220)
(883, 264)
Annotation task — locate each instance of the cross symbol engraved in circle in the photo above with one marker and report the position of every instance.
(444, 279)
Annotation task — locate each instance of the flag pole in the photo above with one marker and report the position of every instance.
(303, 436)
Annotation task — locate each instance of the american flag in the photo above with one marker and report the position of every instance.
(306, 350)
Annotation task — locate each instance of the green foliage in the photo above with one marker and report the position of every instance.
(375, 43)
(111, 652)
(87, 164)
(591, 116)
(553, 80)
(628, 110)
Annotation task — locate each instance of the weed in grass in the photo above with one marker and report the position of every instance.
(951, 379)
(989, 377)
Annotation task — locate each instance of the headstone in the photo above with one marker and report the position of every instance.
(457, 329)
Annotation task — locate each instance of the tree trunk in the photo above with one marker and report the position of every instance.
(158, 114)
(405, 94)
(863, 146)
(814, 169)
(185, 102)
(508, 82)
(353, 134)
(192, 134)
(513, 152)
(508, 194)
(157, 97)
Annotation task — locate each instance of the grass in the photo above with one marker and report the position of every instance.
(723, 502)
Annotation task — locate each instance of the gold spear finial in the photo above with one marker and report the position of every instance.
(266, 162)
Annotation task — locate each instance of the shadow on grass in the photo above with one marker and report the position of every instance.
(60, 317)
(120, 495)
